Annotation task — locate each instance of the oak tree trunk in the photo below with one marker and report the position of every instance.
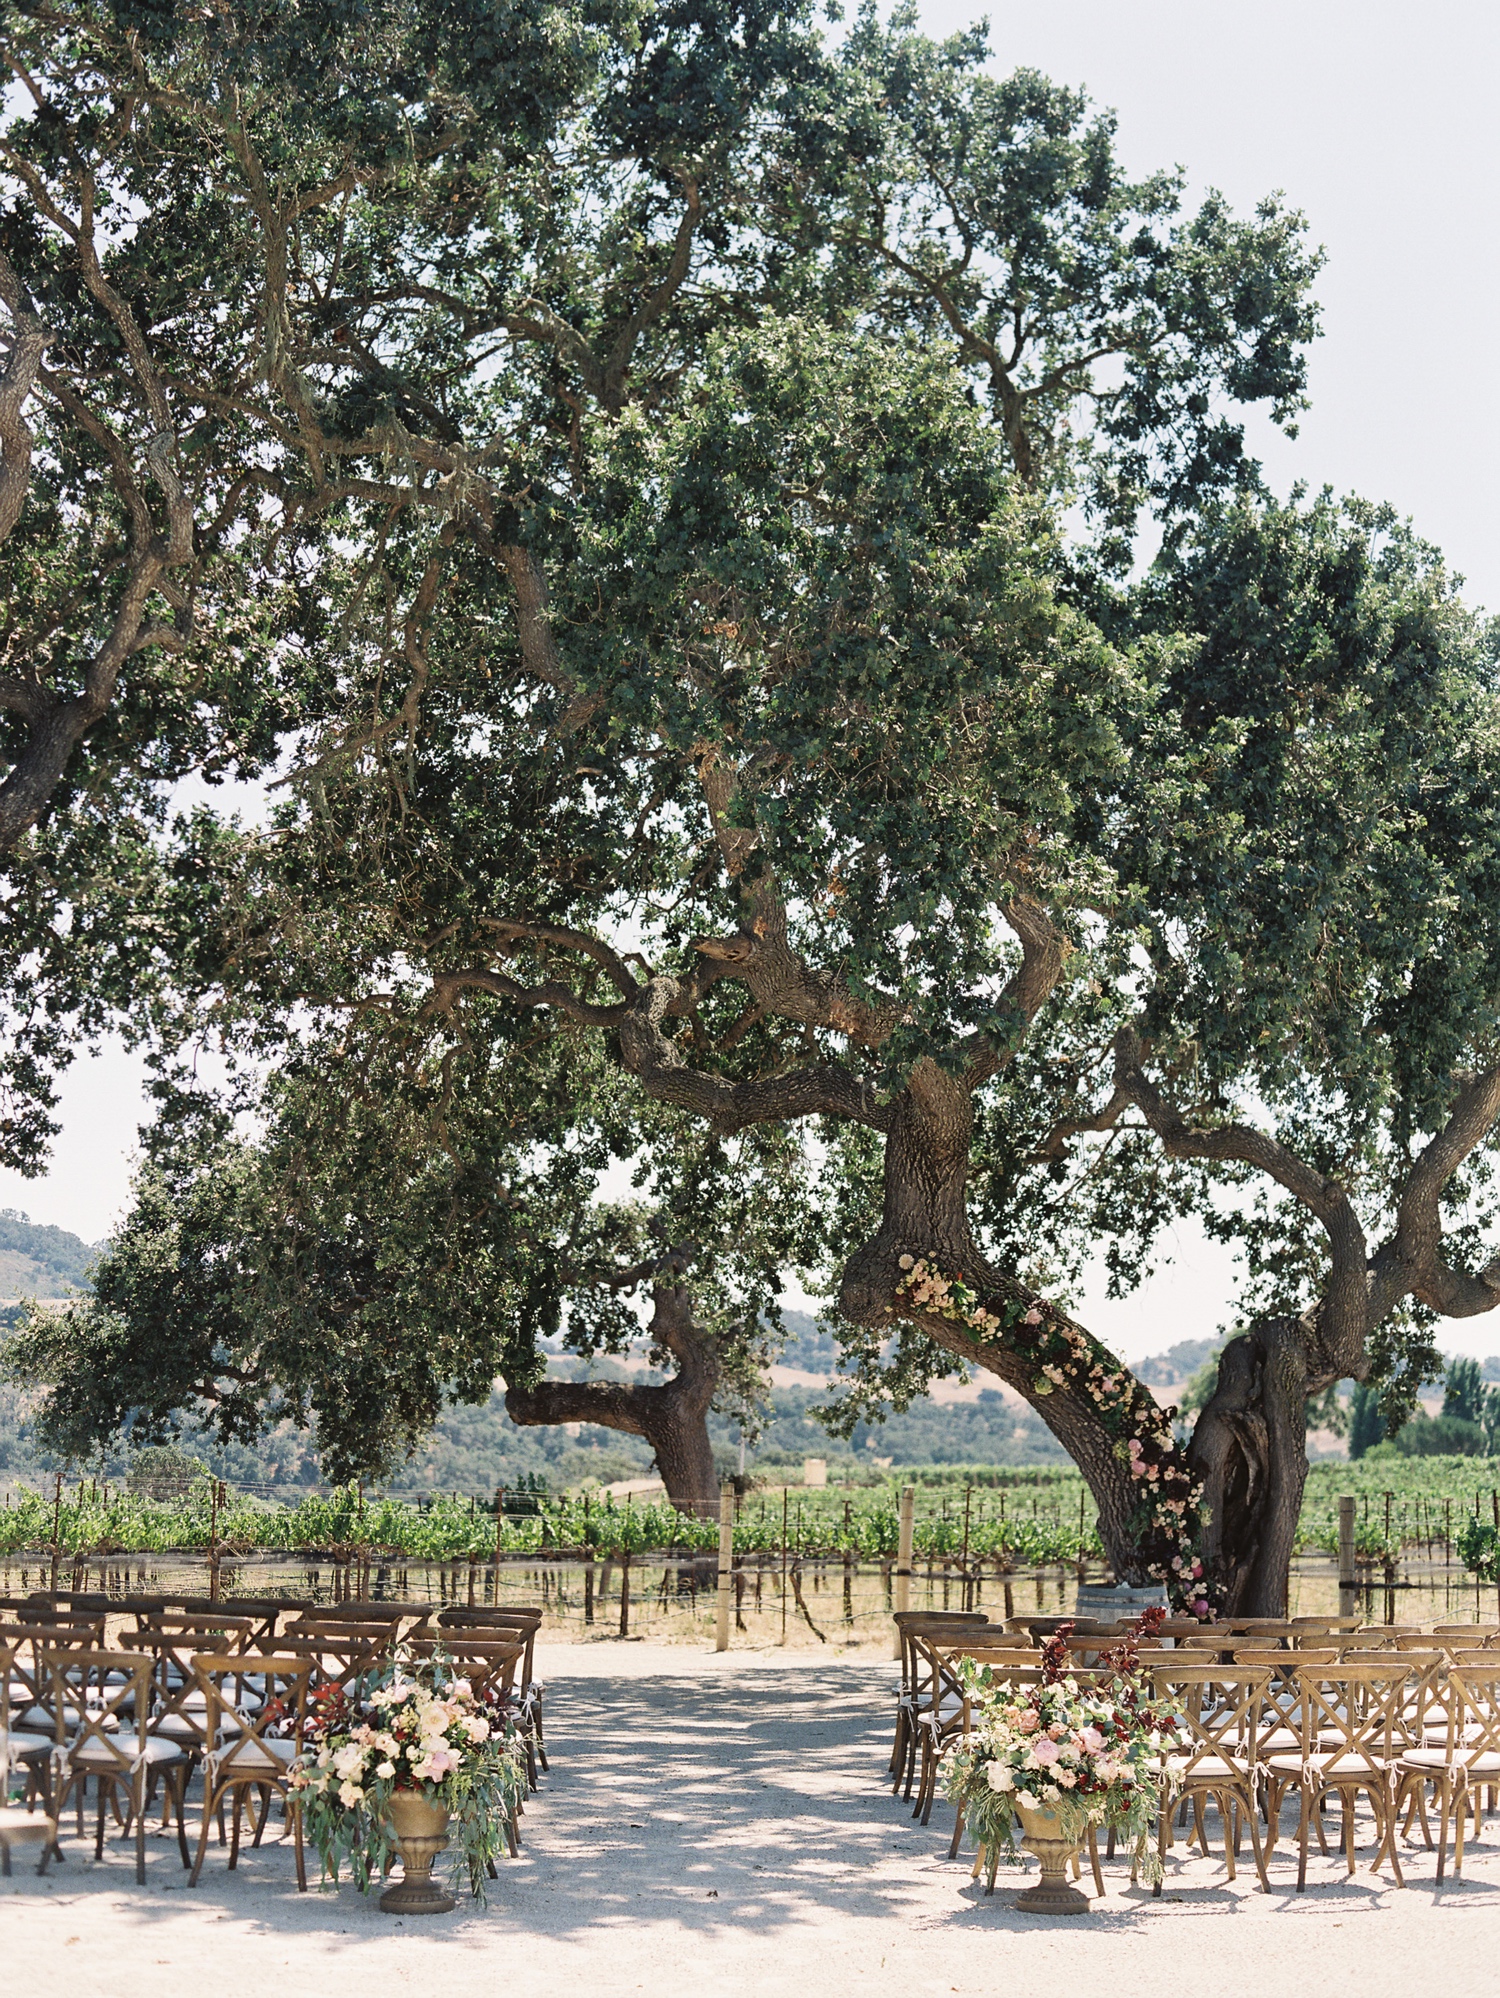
(1250, 1450)
(673, 1417)
(925, 1217)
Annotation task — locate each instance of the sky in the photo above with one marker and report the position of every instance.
(1377, 120)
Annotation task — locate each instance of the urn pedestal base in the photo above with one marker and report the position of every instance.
(1053, 1894)
(421, 1829)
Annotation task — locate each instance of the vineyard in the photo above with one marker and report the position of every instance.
(1030, 1520)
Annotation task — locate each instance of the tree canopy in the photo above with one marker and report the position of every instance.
(665, 437)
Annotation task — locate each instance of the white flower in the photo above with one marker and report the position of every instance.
(1000, 1776)
(351, 1793)
(386, 1769)
(1027, 1801)
(1051, 1793)
(477, 1728)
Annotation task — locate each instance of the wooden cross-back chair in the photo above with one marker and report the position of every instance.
(22, 1748)
(103, 1704)
(1465, 1763)
(492, 1666)
(1355, 1725)
(238, 1628)
(341, 1655)
(265, 1612)
(179, 1708)
(944, 1708)
(503, 1621)
(32, 1706)
(252, 1749)
(908, 1622)
(1219, 1710)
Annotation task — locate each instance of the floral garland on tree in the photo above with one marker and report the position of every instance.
(1168, 1516)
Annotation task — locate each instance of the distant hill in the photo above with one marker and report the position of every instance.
(37, 1261)
(1177, 1363)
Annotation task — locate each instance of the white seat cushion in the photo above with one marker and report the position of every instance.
(1478, 1762)
(23, 1743)
(95, 1754)
(251, 1753)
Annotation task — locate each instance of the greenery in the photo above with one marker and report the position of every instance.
(672, 479)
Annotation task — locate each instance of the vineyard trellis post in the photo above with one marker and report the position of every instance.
(905, 1536)
(56, 1531)
(726, 1561)
(786, 1507)
(1347, 1578)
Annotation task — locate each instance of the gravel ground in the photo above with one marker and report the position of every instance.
(721, 1824)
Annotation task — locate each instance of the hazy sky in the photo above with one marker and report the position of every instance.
(1377, 120)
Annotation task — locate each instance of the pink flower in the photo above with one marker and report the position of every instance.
(1091, 1739)
(1033, 1317)
(1027, 1724)
(1044, 1753)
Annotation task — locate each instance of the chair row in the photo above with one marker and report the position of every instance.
(153, 1691)
(1408, 1723)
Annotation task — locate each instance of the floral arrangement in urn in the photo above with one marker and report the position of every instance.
(1092, 1754)
(419, 1732)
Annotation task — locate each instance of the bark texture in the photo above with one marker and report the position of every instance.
(925, 1217)
(673, 1417)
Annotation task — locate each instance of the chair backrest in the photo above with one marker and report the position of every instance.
(177, 1701)
(101, 1704)
(237, 1736)
(339, 1656)
(237, 1632)
(454, 1617)
(1357, 1711)
(43, 1616)
(503, 1624)
(364, 1610)
(1219, 1708)
(489, 1666)
(1474, 1710)
(28, 1676)
(910, 1622)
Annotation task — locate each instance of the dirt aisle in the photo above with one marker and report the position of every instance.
(721, 1826)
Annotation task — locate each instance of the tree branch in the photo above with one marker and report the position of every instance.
(1412, 1260)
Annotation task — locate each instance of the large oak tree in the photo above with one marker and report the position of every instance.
(672, 476)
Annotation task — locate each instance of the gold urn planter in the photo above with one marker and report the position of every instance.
(421, 1829)
(1053, 1894)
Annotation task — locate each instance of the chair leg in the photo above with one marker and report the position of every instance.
(234, 1835)
(209, 1805)
(295, 1809)
(1094, 1862)
(1255, 1845)
(958, 1832)
(138, 1805)
(1303, 1816)
(180, 1785)
(99, 1831)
